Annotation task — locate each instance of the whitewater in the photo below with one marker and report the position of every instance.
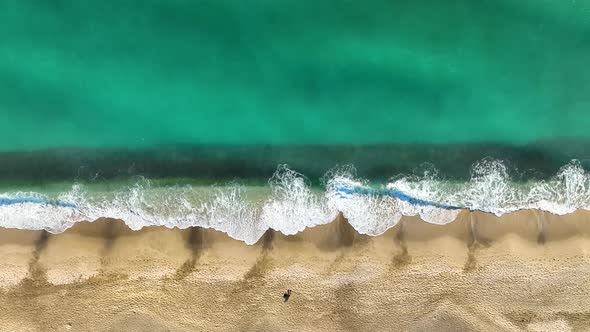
(289, 203)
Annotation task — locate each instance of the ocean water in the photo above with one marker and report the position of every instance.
(283, 114)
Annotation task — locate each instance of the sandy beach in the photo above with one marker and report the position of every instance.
(176, 165)
(526, 271)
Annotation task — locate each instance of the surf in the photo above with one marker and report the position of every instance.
(289, 203)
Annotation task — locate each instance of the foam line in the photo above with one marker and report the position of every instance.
(289, 204)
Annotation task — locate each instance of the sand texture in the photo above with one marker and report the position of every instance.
(526, 271)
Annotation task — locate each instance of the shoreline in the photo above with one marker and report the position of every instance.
(498, 274)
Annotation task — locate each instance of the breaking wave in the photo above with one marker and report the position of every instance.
(289, 203)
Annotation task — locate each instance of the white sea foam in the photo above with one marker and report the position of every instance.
(292, 205)
(289, 204)
(368, 214)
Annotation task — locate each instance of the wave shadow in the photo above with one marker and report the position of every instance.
(37, 277)
(195, 243)
(263, 261)
(403, 258)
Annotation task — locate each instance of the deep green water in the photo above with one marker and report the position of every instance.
(137, 74)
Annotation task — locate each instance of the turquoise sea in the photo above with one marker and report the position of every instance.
(244, 116)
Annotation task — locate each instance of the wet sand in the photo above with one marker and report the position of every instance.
(526, 271)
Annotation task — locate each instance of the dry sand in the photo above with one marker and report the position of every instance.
(526, 271)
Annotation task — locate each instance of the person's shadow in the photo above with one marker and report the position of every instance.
(287, 295)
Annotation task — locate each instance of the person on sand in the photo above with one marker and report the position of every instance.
(287, 295)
